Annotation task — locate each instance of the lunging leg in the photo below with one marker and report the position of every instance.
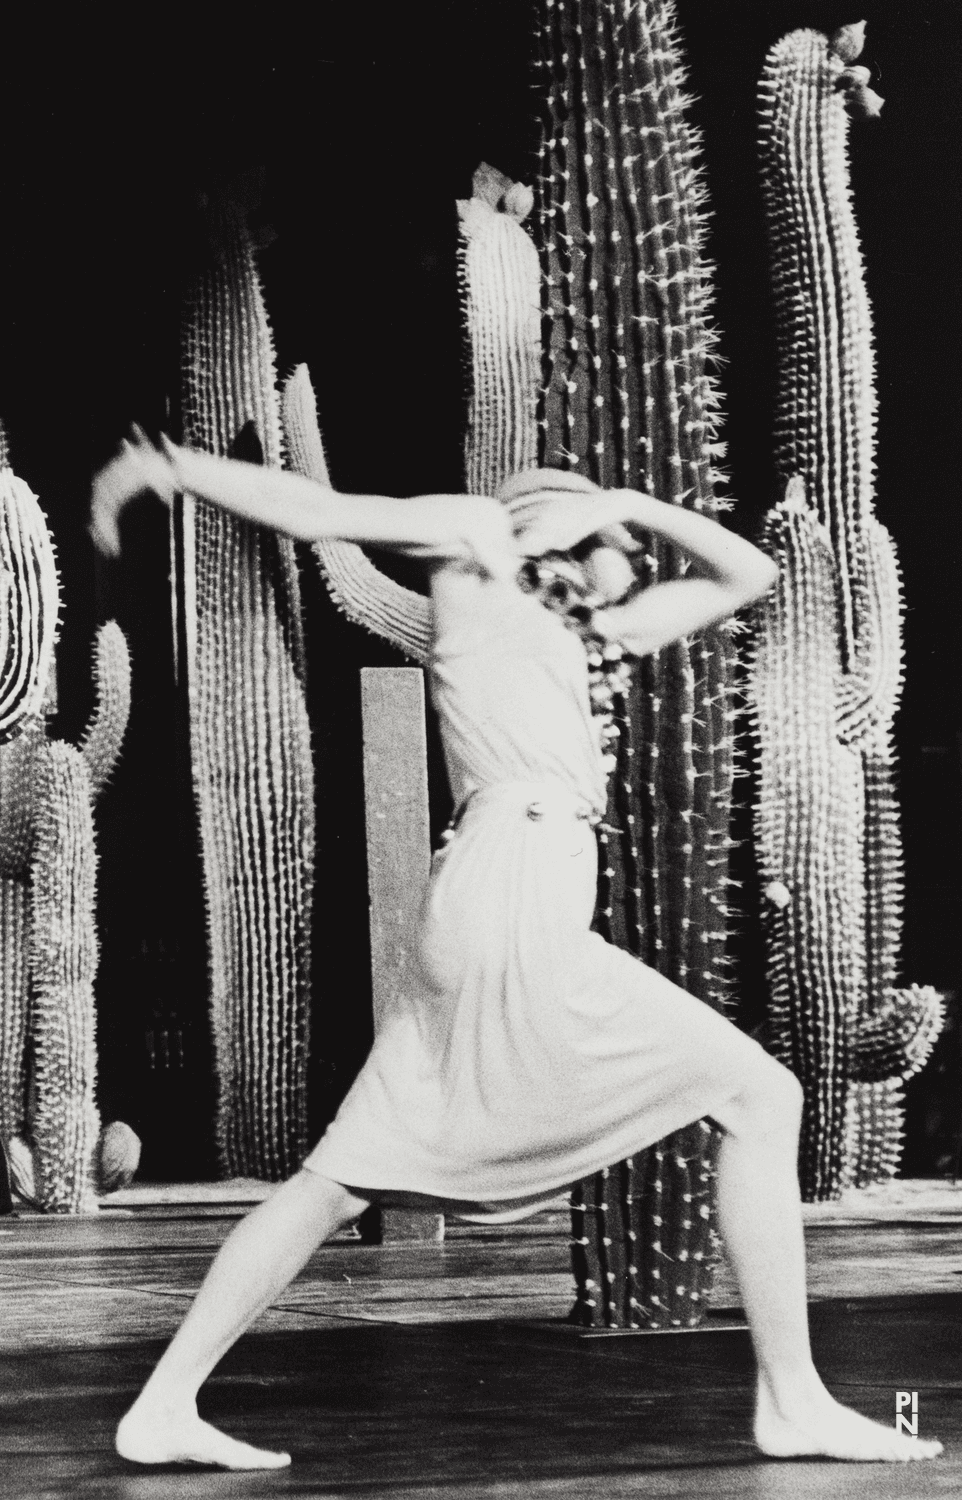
(759, 1210)
(262, 1255)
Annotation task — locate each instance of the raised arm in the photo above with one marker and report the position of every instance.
(725, 573)
(469, 528)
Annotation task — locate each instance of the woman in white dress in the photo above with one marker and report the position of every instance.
(525, 1052)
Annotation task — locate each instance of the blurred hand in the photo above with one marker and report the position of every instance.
(556, 521)
(137, 467)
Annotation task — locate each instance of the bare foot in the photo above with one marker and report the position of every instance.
(162, 1437)
(825, 1429)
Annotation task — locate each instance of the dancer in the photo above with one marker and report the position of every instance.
(524, 1052)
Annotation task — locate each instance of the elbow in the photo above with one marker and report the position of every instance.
(759, 579)
(768, 574)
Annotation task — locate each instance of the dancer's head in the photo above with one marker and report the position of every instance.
(596, 556)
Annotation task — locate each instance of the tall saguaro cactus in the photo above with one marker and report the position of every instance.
(827, 661)
(628, 401)
(250, 738)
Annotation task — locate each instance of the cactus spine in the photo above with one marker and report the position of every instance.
(250, 738)
(627, 400)
(827, 660)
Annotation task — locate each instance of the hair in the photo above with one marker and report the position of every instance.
(558, 578)
(520, 489)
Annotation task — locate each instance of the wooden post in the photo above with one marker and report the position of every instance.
(398, 861)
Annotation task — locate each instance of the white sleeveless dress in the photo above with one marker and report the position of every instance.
(523, 1052)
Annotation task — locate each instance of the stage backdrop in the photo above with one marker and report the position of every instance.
(365, 131)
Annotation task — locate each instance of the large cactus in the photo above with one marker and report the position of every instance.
(827, 663)
(48, 943)
(628, 400)
(250, 738)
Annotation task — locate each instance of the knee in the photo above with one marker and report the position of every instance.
(334, 1204)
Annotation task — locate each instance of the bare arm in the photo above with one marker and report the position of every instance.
(469, 528)
(725, 573)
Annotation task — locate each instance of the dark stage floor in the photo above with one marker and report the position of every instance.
(448, 1371)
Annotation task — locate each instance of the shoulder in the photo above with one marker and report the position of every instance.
(469, 606)
(458, 588)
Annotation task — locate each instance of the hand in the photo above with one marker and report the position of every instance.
(556, 521)
(138, 466)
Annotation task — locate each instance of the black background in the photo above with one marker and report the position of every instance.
(366, 126)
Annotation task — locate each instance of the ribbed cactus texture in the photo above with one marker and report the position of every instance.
(367, 596)
(827, 659)
(14, 1004)
(29, 600)
(628, 401)
(100, 745)
(500, 278)
(250, 738)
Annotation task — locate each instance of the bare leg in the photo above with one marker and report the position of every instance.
(760, 1218)
(263, 1254)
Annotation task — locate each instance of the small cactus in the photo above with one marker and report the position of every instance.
(48, 938)
(827, 658)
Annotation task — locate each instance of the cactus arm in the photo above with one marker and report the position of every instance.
(63, 959)
(366, 595)
(103, 737)
(867, 695)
